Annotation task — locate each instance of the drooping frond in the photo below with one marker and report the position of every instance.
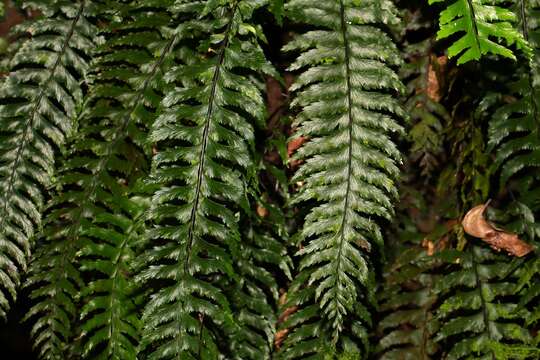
(96, 180)
(529, 286)
(203, 139)
(482, 23)
(519, 218)
(111, 324)
(348, 111)
(477, 316)
(39, 103)
(514, 130)
(407, 330)
(428, 115)
(254, 299)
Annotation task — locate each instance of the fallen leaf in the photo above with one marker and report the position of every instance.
(475, 224)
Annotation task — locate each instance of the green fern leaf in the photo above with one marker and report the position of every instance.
(476, 320)
(39, 104)
(347, 113)
(277, 8)
(203, 138)
(519, 218)
(254, 299)
(428, 115)
(514, 130)
(480, 22)
(109, 311)
(104, 161)
(407, 331)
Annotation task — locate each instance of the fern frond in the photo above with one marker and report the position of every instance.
(203, 138)
(477, 318)
(520, 218)
(103, 163)
(254, 299)
(423, 105)
(514, 130)
(348, 114)
(407, 331)
(529, 284)
(39, 104)
(481, 22)
(111, 325)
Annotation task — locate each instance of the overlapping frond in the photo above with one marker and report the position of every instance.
(407, 301)
(91, 208)
(348, 112)
(477, 315)
(519, 217)
(514, 131)
(262, 259)
(482, 23)
(111, 324)
(203, 138)
(39, 103)
(428, 115)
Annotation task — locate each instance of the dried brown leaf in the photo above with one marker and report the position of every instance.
(280, 337)
(295, 144)
(282, 334)
(475, 224)
(433, 85)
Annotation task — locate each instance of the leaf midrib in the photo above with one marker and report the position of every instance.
(341, 234)
(474, 25)
(204, 145)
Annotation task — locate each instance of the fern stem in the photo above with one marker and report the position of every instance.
(524, 20)
(350, 144)
(206, 129)
(474, 25)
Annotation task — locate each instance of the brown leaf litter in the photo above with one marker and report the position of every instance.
(475, 224)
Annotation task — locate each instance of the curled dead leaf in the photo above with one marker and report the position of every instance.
(475, 224)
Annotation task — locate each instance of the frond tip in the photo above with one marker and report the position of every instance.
(38, 107)
(347, 110)
(481, 23)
